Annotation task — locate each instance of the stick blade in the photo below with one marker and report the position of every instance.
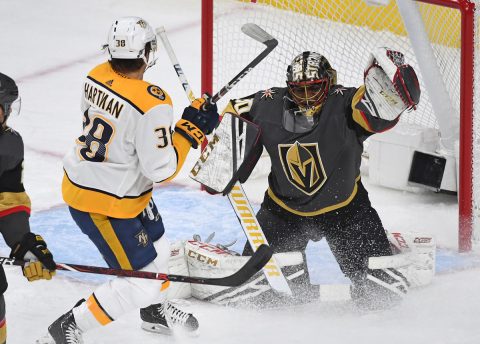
(258, 260)
(260, 35)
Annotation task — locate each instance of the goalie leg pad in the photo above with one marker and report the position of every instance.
(211, 261)
(421, 252)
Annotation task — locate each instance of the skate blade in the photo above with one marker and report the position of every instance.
(160, 329)
(156, 328)
(46, 339)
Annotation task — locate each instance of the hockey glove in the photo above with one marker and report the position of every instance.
(391, 84)
(198, 119)
(33, 249)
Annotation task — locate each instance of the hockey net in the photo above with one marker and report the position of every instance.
(345, 32)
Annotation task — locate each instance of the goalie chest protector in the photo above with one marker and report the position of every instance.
(317, 171)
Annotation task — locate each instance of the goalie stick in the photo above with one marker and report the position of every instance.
(238, 199)
(251, 267)
(252, 30)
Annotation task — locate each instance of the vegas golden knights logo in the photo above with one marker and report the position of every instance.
(303, 166)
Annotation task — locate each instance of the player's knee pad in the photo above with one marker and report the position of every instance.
(149, 291)
(121, 295)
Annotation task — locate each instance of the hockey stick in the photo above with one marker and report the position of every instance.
(252, 30)
(251, 267)
(239, 200)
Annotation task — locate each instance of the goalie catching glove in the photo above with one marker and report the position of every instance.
(198, 119)
(391, 85)
(39, 260)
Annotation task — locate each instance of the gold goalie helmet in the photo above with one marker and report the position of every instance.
(309, 79)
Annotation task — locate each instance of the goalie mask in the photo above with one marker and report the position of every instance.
(129, 38)
(309, 79)
(9, 99)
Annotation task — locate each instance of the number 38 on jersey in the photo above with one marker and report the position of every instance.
(97, 134)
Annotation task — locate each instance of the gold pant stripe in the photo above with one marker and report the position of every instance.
(316, 212)
(106, 230)
(93, 306)
(10, 200)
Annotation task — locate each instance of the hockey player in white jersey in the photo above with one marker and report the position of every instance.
(127, 144)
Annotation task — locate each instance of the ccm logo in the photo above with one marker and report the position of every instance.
(422, 240)
(202, 258)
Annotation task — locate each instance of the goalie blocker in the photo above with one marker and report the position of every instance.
(230, 155)
(412, 266)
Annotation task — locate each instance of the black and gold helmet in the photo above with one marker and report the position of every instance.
(309, 79)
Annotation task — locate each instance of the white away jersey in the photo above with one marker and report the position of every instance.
(126, 145)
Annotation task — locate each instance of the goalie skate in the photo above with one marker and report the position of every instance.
(164, 317)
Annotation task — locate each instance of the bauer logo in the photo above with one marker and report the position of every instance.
(156, 91)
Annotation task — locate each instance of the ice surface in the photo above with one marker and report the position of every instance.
(48, 47)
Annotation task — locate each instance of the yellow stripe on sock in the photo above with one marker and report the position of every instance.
(102, 317)
(165, 285)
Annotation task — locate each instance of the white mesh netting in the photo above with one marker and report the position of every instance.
(344, 32)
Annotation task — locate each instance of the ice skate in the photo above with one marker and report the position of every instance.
(162, 317)
(64, 330)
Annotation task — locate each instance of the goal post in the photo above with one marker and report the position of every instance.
(345, 32)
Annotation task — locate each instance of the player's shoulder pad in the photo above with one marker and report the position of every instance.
(13, 132)
(139, 93)
(11, 143)
(147, 96)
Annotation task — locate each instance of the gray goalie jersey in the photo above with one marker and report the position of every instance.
(317, 171)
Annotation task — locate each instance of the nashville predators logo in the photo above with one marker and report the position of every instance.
(142, 238)
(142, 24)
(156, 91)
(303, 166)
